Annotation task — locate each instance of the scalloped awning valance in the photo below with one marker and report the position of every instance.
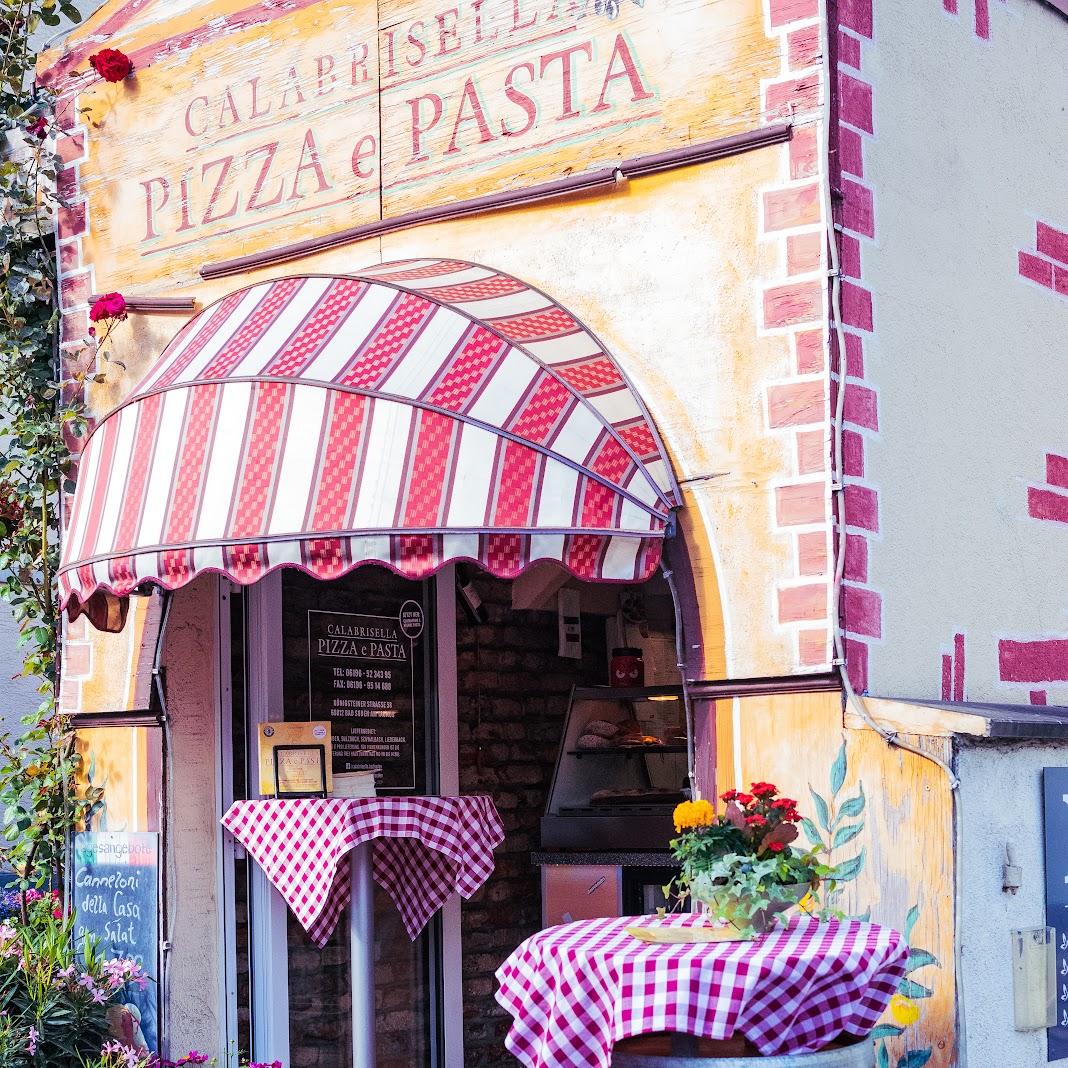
(411, 415)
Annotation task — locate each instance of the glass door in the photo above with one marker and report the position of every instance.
(360, 652)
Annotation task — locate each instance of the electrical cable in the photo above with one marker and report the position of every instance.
(853, 699)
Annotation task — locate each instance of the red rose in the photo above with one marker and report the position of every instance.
(793, 816)
(111, 64)
(756, 821)
(775, 847)
(764, 789)
(109, 306)
(783, 802)
(744, 799)
(730, 795)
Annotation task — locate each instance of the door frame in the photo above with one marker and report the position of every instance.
(269, 976)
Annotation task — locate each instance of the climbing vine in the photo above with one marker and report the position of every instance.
(40, 414)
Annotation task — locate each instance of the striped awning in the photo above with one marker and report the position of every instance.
(418, 413)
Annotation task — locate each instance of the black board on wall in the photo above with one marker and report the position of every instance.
(116, 896)
(1055, 798)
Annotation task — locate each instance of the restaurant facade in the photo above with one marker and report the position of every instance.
(481, 360)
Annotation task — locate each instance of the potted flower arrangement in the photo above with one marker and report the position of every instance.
(739, 864)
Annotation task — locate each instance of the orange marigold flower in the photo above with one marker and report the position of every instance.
(690, 815)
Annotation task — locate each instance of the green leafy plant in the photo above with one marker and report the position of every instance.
(41, 412)
(740, 863)
(55, 999)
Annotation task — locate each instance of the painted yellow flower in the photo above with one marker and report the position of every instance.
(692, 814)
(904, 1010)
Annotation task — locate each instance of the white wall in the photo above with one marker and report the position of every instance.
(968, 358)
(1001, 796)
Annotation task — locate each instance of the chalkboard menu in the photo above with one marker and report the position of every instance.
(116, 895)
(361, 677)
(1055, 796)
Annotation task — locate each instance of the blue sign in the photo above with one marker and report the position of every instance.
(1055, 795)
(116, 901)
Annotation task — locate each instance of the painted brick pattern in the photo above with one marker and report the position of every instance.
(1047, 264)
(980, 15)
(1050, 501)
(794, 306)
(861, 604)
(76, 283)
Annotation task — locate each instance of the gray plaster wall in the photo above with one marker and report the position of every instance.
(1001, 802)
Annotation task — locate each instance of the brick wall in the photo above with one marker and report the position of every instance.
(513, 692)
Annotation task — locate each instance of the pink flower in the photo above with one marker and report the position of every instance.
(109, 306)
(31, 1041)
(39, 128)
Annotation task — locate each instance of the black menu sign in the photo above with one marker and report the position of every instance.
(1055, 796)
(361, 678)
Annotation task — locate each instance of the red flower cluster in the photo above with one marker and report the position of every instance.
(767, 818)
(111, 64)
(109, 306)
(10, 508)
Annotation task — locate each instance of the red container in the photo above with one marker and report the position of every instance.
(628, 667)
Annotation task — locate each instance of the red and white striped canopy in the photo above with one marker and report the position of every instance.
(418, 413)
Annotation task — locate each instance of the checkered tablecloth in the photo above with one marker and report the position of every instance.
(425, 849)
(575, 990)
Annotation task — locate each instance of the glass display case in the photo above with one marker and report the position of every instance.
(620, 771)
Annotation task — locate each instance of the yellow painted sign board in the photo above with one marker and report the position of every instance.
(290, 761)
(329, 114)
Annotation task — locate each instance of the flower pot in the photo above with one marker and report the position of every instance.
(719, 902)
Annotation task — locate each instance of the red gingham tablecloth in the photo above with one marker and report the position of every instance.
(426, 849)
(575, 990)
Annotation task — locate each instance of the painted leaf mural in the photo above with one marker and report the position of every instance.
(839, 823)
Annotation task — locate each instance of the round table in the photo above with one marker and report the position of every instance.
(575, 990)
(320, 853)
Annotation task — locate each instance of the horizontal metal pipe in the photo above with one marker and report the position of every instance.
(636, 167)
(154, 304)
(717, 689)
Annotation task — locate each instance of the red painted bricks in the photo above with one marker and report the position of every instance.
(861, 508)
(789, 305)
(852, 454)
(813, 646)
(804, 158)
(849, 255)
(849, 50)
(856, 15)
(802, 503)
(1052, 243)
(803, 47)
(797, 205)
(802, 93)
(856, 561)
(812, 553)
(862, 611)
(784, 11)
(854, 102)
(1057, 470)
(1036, 661)
(811, 452)
(800, 604)
(796, 404)
(1046, 504)
(856, 306)
(858, 208)
(803, 253)
(851, 151)
(809, 351)
(856, 654)
(1038, 270)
